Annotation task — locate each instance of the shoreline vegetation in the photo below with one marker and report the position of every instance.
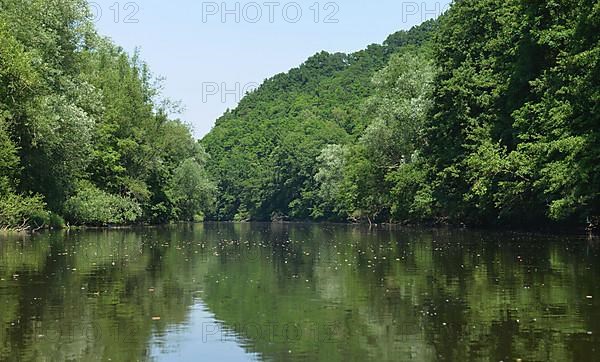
(485, 117)
(86, 138)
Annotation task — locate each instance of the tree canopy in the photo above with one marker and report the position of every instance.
(84, 132)
(486, 116)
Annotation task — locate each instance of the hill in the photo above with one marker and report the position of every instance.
(264, 153)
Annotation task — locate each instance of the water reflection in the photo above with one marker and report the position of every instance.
(201, 337)
(297, 292)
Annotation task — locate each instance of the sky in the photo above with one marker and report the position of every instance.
(211, 52)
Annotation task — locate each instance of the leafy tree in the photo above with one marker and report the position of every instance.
(392, 142)
(9, 162)
(486, 116)
(190, 190)
(332, 190)
(512, 134)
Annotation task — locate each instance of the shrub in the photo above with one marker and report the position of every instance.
(39, 219)
(55, 221)
(92, 206)
(19, 212)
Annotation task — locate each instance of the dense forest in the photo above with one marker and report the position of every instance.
(84, 131)
(486, 116)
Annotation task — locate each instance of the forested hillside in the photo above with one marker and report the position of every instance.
(265, 152)
(488, 116)
(84, 133)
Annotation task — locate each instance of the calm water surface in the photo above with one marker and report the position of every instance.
(287, 292)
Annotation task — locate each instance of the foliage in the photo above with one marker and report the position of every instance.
(16, 211)
(9, 162)
(264, 153)
(330, 178)
(92, 206)
(379, 176)
(514, 127)
(190, 190)
(75, 108)
(488, 115)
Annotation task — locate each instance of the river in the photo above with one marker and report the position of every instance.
(298, 292)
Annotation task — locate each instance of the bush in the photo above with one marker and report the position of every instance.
(55, 221)
(92, 206)
(19, 212)
(39, 219)
(46, 219)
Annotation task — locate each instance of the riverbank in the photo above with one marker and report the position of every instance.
(546, 230)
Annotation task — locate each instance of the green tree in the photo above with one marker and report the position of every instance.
(75, 110)
(512, 135)
(330, 177)
(9, 162)
(191, 190)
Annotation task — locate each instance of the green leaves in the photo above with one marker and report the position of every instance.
(265, 152)
(9, 161)
(494, 121)
(332, 191)
(16, 211)
(508, 113)
(76, 110)
(191, 190)
(92, 206)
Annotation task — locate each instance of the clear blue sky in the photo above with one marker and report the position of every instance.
(200, 45)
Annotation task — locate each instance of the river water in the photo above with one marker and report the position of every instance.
(298, 292)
